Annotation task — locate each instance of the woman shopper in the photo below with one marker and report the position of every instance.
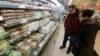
(86, 35)
(71, 25)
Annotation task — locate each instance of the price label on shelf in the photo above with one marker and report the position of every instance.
(40, 45)
(1, 18)
(34, 7)
(25, 35)
(29, 33)
(10, 41)
(1, 29)
(24, 21)
(46, 38)
(21, 6)
(43, 42)
(35, 53)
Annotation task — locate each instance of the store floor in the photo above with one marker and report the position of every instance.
(57, 52)
(97, 44)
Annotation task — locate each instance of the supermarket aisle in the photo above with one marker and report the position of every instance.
(56, 50)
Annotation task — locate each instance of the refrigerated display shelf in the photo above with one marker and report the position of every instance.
(55, 27)
(3, 36)
(6, 52)
(12, 23)
(35, 19)
(21, 21)
(10, 5)
(15, 5)
(40, 47)
(21, 37)
(17, 39)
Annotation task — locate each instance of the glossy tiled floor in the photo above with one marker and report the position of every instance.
(58, 52)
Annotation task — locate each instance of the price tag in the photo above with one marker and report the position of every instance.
(1, 29)
(35, 53)
(40, 45)
(43, 42)
(29, 33)
(46, 38)
(24, 21)
(25, 35)
(21, 6)
(1, 18)
(34, 7)
(11, 41)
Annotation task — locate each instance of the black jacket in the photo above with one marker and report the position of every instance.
(87, 35)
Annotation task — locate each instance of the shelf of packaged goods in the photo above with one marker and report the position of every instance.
(6, 52)
(12, 23)
(18, 39)
(11, 5)
(21, 21)
(21, 37)
(3, 36)
(38, 50)
(34, 19)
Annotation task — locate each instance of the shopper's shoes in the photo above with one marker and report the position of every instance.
(62, 47)
(68, 51)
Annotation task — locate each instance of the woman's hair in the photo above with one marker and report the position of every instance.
(87, 13)
(74, 7)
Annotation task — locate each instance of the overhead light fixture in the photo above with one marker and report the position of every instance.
(70, 2)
